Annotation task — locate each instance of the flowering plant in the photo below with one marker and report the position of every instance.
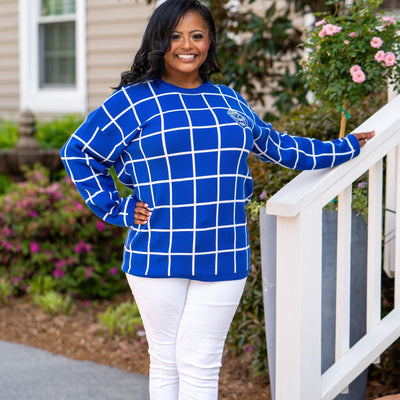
(351, 54)
(46, 230)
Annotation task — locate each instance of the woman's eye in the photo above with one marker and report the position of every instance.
(198, 36)
(175, 37)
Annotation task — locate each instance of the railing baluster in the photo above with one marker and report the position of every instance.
(343, 274)
(390, 217)
(374, 246)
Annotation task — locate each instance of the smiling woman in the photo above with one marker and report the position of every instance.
(182, 142)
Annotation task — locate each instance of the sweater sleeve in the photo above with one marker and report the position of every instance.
(301, 153)
(88, 156)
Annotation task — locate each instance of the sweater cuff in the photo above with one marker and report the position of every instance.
(354, 143)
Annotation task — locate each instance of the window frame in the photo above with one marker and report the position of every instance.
(50, 99)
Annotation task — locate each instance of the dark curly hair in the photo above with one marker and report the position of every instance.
(149, 60)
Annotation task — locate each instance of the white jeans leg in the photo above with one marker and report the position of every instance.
(208, 313)
(186, 324)
(161, 303)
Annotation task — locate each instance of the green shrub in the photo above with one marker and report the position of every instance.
(124, 318)
(53, 302)
(47, 230)
(8, 134)
(53, 134)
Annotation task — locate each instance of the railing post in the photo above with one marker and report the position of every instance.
(298, 311)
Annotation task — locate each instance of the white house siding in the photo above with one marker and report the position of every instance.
(9, 59)
(114, 32)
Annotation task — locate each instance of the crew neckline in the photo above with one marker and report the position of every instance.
(198, 89)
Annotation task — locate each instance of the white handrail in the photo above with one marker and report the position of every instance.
(323, 185)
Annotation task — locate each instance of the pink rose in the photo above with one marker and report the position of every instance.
(322, 33)
(332, 29)
(388, 21)
(380, 56)
(376, 42)
(353, 34)
(390, 59)
(358, 76)
(319, 23)
(329, 29)
(346, 42)
(354, 69)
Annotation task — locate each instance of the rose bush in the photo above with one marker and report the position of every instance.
(352, 54)
(47, 230)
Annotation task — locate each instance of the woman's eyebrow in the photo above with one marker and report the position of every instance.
(194, 30)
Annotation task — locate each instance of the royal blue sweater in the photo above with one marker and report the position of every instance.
(184, 152)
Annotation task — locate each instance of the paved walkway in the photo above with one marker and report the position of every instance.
(28, 373)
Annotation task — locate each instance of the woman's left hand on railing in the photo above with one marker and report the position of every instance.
(363, 137)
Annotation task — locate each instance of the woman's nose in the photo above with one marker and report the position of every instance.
(186, 42)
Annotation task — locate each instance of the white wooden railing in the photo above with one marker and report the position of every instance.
(298, 209)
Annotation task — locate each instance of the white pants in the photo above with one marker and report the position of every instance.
(186, 324)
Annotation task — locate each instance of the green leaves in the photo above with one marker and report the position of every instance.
(8, 134)
(251, 49)
(53, 134)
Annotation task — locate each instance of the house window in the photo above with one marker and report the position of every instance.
(57, 48)
(53, 55)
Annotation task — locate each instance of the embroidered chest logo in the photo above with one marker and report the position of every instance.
(239, 118)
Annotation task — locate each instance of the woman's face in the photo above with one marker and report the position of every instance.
(189, 48)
